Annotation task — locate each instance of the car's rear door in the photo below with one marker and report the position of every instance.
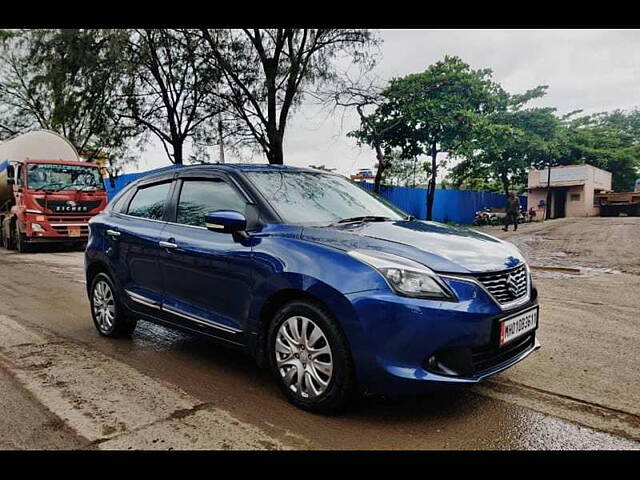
(134, 235)
(207, 274)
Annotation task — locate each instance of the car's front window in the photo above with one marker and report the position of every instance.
(198, 197)
(51, 176)
(317, 198)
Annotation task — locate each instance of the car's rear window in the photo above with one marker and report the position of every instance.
(149, 202)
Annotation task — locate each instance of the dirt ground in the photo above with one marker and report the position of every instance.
(589, 317)
(64, 386)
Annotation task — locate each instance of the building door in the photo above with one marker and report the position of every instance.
(559, 202)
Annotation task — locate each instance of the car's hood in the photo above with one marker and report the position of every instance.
(441, 247)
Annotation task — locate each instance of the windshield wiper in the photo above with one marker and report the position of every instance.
(63, 187)
(365, 218)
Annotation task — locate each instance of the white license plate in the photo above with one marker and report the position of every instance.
(519, 325)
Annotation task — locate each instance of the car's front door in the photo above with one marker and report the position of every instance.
(207, 275)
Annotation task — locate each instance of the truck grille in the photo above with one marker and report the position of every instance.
(506, 286)
(61, 224)
(58, 206)
(64, 230)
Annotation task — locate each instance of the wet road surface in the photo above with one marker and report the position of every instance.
(165, 389)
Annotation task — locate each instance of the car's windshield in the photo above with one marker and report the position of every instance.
(316, 198)
(51, 176)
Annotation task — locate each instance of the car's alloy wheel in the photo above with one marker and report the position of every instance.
(110, 317)
(104, 307)
(303, 357)
(310, 358)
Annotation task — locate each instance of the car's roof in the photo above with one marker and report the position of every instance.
(248, 167)
(224, 167)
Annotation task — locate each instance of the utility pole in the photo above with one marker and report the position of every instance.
(220, 138)
(415, 160)
(547, 212)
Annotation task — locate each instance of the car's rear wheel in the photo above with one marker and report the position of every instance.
(310, 358)
(109, 316)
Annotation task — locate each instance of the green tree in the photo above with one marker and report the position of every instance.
(266, 73)
(510, 140)
(438, 111)
(610, 141)
(67, 81)
(375, 131)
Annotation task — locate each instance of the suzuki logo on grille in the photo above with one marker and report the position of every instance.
(512, 286)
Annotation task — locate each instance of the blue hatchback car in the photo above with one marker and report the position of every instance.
(334, 289)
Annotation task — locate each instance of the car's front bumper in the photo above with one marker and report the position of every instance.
(394, 338)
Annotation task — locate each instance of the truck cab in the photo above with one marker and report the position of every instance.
(47, 200)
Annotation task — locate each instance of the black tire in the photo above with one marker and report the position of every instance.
(6, 236)
(341, 386)
(22, 245)
(122, 322)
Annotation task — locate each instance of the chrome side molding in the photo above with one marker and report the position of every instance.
(199, 320)
(143, 300)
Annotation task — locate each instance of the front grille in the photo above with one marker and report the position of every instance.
(506, 286)
(487, 357)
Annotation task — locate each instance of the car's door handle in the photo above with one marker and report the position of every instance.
(167, 245)
(113, 233)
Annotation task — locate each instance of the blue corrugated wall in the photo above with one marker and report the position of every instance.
(458, 206)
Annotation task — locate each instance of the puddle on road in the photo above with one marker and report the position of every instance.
(574, 271)
(150, 336)
(556, 264)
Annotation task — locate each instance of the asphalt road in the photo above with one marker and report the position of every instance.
(64, 386)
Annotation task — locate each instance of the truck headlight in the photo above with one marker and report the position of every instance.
(404, 276)
(36, 227)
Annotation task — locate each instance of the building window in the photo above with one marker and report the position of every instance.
(575, 197)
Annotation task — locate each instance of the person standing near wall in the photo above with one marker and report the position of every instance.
(513, 212)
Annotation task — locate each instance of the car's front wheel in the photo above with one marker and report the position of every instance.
(310, 358)
(109, 316)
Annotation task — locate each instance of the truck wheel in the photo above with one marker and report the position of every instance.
(109, 315)
(310, 358)
(22, 245)
(9, 239)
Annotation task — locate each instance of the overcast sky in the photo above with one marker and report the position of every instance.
(593, 70)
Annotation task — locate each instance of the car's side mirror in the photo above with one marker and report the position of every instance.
(225, 221)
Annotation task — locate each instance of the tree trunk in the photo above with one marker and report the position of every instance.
(381, 166)
(431, 193)
(177, 153)
(275, 154)
(505, 183)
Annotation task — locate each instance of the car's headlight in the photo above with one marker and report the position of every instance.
(404, 276)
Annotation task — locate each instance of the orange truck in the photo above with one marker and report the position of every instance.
(47, 194)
